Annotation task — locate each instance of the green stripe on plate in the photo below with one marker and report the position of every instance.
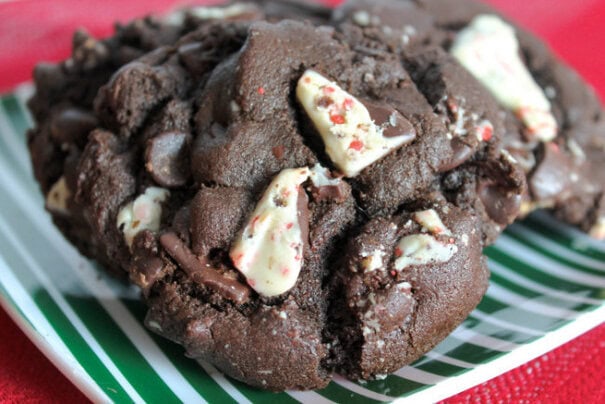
(458, 349)
(191, 370)
(547, 278)
(16, 113)
(517, 235)
(551, 232)
(62, 326)
(339, 394)
(78, 347)
(496, 331)
(393, 386)
(109, 336)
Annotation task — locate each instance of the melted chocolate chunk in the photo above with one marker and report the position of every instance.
(201, 272)
(501, 204)
(461, 153)
(167, 159)
(391, 121)
(72, 125)
(550, 179)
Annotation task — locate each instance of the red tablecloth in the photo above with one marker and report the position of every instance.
(32, 30)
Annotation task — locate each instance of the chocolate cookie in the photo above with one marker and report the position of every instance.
(299, 191)
(554, 120)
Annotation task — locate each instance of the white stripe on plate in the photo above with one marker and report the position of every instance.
(506, 325)
(580, 239)
(538, 287)
(355, 388)
(529, 304)
(15, 144)
(419, 375)
(68, 311)
(556, 248)
(225, 384)
(449, 360)
(545, 264)
(309, 397)
(485, 341)
(102, 292)
(23, 93)
(43, 335)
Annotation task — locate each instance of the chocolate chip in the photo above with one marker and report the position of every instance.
(166, 159)
(336, 193)
(501, 205)
(200, 272)
(194, 58)
(72, 125)
(390, 120)
(461, 153)
(550, 179)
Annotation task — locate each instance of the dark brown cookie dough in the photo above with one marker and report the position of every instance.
(297, 190)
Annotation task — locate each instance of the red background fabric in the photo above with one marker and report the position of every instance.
(35, 30)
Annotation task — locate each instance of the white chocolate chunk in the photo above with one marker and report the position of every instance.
(422, 249)
(144, 213)
(352, 139)
(320, 176)
(373, 261)
(598, 230)
(57, 197)
(489, 50)
(430, 220)
(209, 13)
(269, 250)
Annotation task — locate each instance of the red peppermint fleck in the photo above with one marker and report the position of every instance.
(452, 106)
(307, 80)
(398, 252)
(452, 241)
(261, 90)
(297, 257)
(337, 119)
(238, 259)
(328, 90)
(485, 132)
(393, 273)
(251, 282)
(347, 104)
(289, 225)
(285, 271)
(254, 221)
(356, 145)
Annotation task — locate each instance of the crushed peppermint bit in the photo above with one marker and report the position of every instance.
(58, 196)
(372, 261)
(261, 90)
(484, 131)
(144, 213)
(576, 150)
(352, 139)
(488, 49)
(269, 250)
(361, 18)
(598, 230)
